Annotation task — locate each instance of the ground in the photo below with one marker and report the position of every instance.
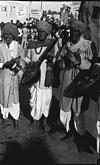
(31, 144)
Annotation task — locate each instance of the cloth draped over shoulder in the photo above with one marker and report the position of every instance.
(11, 28)
(9, 94)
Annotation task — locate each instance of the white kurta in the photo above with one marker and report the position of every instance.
(9, 95)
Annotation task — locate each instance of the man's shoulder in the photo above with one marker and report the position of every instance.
(2, 44)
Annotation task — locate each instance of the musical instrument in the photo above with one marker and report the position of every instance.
(10, 64)
(32, 73)
(84, 83)
(15, 64)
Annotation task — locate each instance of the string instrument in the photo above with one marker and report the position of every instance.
(59, 65)
(32, 72)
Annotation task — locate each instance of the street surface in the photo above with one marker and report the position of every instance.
(30, 144)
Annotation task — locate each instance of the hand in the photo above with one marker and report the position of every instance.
(8, 64)
(22, 63)
(11, 64)
(16, 69)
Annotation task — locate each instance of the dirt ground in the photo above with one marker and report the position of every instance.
(29, 145)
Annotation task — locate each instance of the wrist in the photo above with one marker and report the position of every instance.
(1, 64)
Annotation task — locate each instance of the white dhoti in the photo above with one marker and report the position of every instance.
(40, 102)
(65, 118)
(14, 111)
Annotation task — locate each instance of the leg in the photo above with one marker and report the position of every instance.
(98, 129)
(80, 137)
(44, 124)
(41, 121)
(67, 120)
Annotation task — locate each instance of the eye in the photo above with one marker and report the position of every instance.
(96, 12)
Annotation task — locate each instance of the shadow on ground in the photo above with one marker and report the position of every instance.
(34, 151)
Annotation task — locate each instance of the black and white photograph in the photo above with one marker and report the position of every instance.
(49, 82)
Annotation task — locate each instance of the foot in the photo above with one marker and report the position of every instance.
(42, 127)
(84, 148)
(30, 125)
(98, 161)
(82, 144)
(69, 135)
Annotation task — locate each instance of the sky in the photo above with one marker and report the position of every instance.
(46, 5)
(53, 5)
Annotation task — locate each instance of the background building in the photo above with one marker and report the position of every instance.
(75, 8)
(20, 10)
(12, 10)
(16, 10)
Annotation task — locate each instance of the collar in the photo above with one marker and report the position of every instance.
(82, 44)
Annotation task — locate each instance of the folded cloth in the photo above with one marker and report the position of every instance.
(11, 28)
(45, 26)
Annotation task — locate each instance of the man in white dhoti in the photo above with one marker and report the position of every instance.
(41, 94)
(9, 80)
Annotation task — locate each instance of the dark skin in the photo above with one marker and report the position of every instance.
(74, 35)
(42, 35)
(8, 37)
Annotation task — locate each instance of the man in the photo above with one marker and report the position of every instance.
(41, 94)
(24, 36)
(9, 78)
(80, 52)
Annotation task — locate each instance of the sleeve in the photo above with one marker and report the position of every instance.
(94, 51)
(1, 61)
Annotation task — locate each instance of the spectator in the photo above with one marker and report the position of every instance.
(9, 79)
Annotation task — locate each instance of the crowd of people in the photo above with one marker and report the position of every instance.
(23, 46)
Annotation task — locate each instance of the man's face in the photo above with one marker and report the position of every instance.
(74, 35)
(8, 38)
(42, 35)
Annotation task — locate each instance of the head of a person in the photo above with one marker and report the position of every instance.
(10, 32)
(77, 29)
(44, 29)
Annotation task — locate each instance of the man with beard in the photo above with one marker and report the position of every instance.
(81, 52)
(41, 93)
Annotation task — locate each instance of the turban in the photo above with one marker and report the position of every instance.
(45, 26)
(11, 28)
(78, 25)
